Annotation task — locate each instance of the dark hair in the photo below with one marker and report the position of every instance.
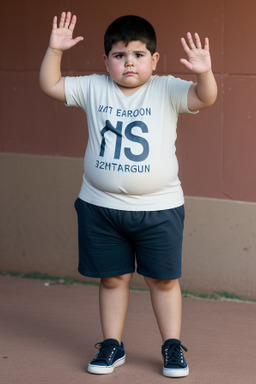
(130, 28)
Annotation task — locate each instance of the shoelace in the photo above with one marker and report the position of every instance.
(173, 353)
(105, 351)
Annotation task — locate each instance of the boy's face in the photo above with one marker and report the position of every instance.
(130, 66)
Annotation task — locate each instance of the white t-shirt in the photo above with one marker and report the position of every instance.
(130, 161)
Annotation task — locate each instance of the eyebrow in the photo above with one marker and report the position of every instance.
(124, 52)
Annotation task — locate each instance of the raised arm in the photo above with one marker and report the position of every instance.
(204, 92)
(50, 78)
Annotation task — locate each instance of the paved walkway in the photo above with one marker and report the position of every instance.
(47, 335)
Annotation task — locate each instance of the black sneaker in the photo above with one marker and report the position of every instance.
(109, 356)
(174, 362)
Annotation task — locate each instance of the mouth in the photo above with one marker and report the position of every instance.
(129, 73)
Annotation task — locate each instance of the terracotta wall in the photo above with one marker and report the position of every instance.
(216, 148)
(42, 142)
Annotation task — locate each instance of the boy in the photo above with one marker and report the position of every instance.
(131, 202)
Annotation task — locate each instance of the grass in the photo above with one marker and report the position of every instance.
(67, 280)
(214, 296)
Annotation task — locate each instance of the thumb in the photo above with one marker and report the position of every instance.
(186, 63)
(77, 40)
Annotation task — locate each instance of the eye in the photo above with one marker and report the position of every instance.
(138, 55)
(119, 56)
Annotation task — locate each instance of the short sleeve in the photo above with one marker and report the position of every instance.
(178, 91)
(76, 89)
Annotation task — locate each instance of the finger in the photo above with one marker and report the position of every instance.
(62, 19)
(73, 23)
(77, 39)
(184, 44)
(67, 21)
(206, 44)
(198, 41)
(54, 23)
(190, 40)
(186, 63)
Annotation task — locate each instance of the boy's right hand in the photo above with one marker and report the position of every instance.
(50, 78)
(62, 37)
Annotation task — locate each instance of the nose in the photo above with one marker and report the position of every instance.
(129, 61)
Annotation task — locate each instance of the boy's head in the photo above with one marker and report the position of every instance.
(130, 28)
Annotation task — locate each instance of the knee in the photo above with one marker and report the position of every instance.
(116, 281)
(162, 285)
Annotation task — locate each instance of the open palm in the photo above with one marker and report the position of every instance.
(199, 59)
(62, 36)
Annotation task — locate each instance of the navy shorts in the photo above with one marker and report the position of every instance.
(112, 242)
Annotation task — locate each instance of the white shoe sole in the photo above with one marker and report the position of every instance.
(176, 372)
(104, 370)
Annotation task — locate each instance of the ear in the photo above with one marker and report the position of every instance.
(155, 58)
(105, 59)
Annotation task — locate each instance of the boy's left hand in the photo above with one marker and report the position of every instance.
(199, 59)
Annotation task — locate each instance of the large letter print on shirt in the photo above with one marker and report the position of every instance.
(130, 136)
(118, 132)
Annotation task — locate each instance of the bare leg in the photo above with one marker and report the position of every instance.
(167, 305)
(114, 300)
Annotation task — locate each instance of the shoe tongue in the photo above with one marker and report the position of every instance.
(111, 341)
(171, 341)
